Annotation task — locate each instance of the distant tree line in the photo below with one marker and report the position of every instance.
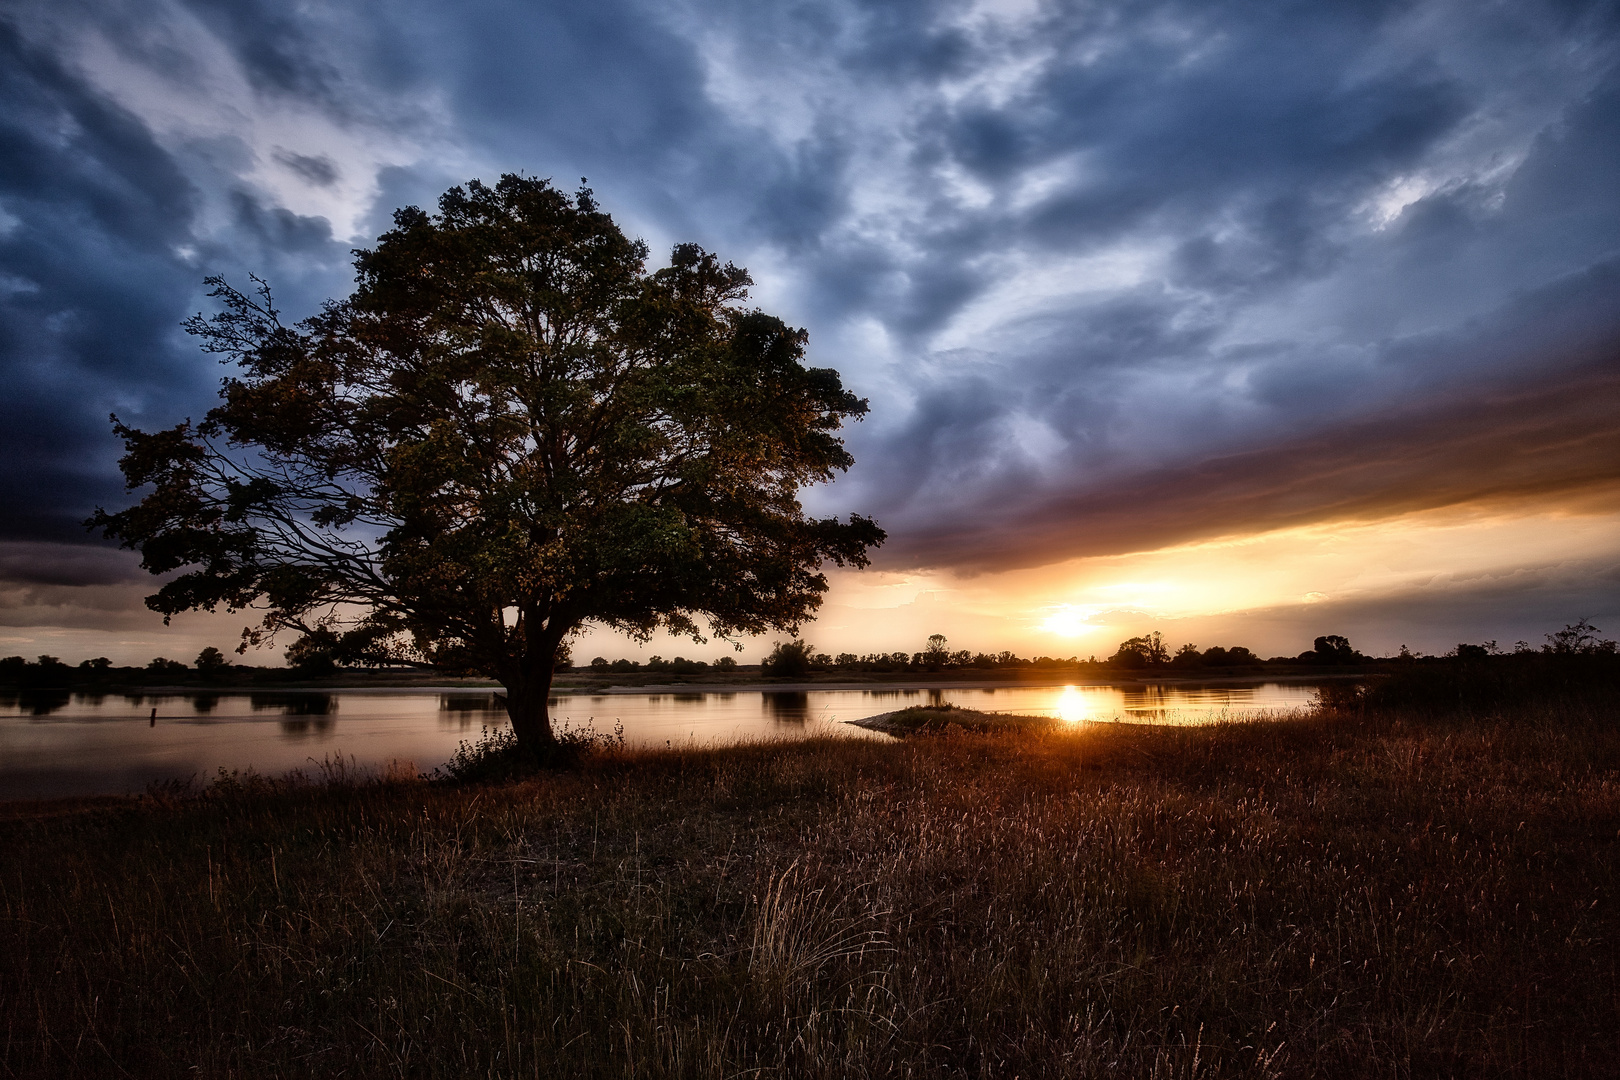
(679, 666)
(50, 671)
(1147, 653)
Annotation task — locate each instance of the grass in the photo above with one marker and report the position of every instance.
(950, 719)
(1343, 894)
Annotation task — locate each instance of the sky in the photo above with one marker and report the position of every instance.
(1246, 322)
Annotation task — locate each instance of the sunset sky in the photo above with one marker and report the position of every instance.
(1244, 322)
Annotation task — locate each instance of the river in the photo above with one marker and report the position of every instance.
(55, 744)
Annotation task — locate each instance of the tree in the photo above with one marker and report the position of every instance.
(789, 659)
(211, 662)
(1579, 638)
(509, 429)
(1148, 650)
(1333, 649)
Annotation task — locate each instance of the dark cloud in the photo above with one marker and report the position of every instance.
(319, 171)
(1512, 446)
(1114, 276)
(93, 286)
(67, 564)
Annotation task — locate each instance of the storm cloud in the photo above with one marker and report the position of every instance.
(1113, 276)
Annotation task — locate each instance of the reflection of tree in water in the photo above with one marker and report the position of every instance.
(467, 703)
(204, 703)
(298, 727)
(461, 712)
(38, 702)
(787, 706)
(93, 698)
(294, 704)
(1147, 699)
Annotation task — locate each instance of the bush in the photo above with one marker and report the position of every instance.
(495, 756)
(1469, 682)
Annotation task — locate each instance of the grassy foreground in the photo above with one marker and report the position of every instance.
(1340, 895)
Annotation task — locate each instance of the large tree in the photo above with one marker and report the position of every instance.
(511, 428)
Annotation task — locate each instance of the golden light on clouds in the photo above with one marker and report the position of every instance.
(1271, 591)
(1068, 621)
(1087, 605)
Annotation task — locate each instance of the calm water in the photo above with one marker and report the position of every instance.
(92, 744)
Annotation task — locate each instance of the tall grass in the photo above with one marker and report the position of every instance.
(1342, 894)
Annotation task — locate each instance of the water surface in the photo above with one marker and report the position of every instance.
(60, 743)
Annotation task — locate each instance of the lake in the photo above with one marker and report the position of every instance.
(56, 744)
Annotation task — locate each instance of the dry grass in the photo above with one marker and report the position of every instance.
(1332, 896)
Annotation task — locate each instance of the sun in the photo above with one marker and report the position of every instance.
(1067, 621)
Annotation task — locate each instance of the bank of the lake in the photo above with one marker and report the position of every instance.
(67, 743)
(1341, 895)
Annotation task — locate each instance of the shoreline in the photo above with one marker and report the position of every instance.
(839, 685)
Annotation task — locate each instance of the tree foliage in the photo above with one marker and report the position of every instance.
(1149, 650)
(509, 429)
(788, 659)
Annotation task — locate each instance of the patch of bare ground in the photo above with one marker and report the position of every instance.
(1341, 894)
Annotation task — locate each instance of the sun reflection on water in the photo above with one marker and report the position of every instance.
(1071, 705)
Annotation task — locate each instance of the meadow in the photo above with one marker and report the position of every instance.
(1395, 890)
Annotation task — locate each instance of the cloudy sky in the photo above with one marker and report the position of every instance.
(1245, 321)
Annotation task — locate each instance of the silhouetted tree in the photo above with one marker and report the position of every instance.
(789, 659)
(313, 655)
(508, 430)
(211, 662)
(1334, 649)
(1576, 639)
(1140, 652)
(47, 672)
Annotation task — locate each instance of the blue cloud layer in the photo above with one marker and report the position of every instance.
(1078, 255)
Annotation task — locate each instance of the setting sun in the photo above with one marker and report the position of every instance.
(1068, 621)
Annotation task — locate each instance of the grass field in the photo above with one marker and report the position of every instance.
(1341, 894)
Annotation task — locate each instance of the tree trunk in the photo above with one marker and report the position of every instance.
(528, 706)
(528, 695)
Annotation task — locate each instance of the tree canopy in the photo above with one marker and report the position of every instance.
(509, 429)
